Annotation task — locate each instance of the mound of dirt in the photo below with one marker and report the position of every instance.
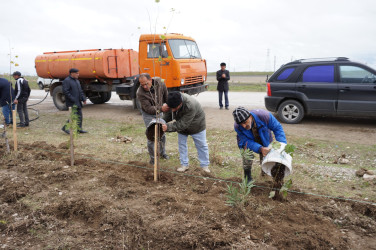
(45, 202)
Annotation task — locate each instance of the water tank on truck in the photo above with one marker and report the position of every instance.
(100, 72)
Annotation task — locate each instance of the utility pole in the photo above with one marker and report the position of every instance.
(267, 62)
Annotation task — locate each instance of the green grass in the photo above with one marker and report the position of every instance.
(31, 79)
(246, 73)
(242, 87)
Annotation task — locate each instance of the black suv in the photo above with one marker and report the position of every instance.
(333, 86)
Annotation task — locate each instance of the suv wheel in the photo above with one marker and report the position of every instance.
(291, 112)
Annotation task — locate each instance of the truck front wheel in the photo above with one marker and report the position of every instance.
(59, 98)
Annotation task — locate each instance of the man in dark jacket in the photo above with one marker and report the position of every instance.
(22, 95)
(187, 117)
(151, 94)
(254, 132)
(6, 100)
(223, 76)
(74, 95)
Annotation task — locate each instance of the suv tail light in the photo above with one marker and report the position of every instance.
(269, 91)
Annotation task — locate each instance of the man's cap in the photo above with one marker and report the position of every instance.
(73, 70)
(17, 73)
(223, 64)
(174, 99)
(240, 114)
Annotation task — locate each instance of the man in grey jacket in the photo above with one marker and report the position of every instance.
(187, 117)
(151, 94)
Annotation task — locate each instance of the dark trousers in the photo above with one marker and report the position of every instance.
(220, 98)
(22, 112)
(79, 113)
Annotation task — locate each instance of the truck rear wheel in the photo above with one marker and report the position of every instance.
(59, 98)
(106, 96)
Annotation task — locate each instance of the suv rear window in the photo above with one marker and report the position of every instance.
(322, 73)
(285, 74)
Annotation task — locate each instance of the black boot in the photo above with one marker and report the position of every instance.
(247, 175)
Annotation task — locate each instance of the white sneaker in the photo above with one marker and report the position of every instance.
(206, 169)
(182, 169)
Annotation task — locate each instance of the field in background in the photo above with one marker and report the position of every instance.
(246, 73)
(31, 79)
(240, 81)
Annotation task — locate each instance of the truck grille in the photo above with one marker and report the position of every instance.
(194, 79)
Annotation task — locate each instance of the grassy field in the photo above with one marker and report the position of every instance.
(238, 87)
(242, 87)
(315, 170)
(31, 79)
(246, 73)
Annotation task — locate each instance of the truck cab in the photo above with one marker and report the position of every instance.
(174, 58)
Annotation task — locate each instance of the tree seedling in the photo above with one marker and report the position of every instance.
(73, 127)
(238, 196)
(246, 154)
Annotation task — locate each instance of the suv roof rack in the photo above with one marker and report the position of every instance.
(325, 59)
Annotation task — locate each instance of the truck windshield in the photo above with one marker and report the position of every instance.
(184, 49)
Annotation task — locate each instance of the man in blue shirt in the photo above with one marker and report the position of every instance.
(254, 132)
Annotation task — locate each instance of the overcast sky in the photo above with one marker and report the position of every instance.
(238, 32)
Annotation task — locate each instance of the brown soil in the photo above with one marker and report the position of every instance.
(44, 203)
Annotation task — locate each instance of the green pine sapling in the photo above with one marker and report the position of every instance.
(74, 124)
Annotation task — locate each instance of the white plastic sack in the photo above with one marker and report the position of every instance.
(275, 156)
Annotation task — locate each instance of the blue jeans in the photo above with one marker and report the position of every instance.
(220, 98)
(7, 113)
(201, 146)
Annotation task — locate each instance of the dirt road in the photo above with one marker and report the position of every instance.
(349, 130)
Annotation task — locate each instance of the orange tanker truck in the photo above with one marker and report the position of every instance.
(173, 57)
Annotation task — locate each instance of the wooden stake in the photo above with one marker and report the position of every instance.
(71, 139)
(156, 159)
(15, 130)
